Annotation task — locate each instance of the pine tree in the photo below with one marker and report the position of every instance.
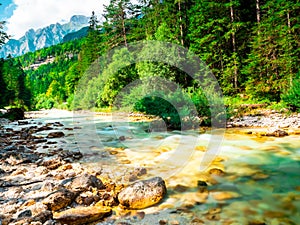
(3, 86)
(274, 56)
(93, 22)
(117, 21)
(3, 35)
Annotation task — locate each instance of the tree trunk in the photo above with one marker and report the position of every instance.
(123, 28)
(180, 24)
(288, 21)
(290, 45)
(258, 11)
(235, 78)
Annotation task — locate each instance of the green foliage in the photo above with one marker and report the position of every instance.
(117, 75)
(172, 107)
(274, 51)
(253, 61)
(70, 102)
(44, 102)
(162, 108)
(278, 106)
(14, 91)
(83, 32)
(200, 101)
(292, 96)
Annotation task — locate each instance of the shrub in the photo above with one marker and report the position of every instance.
(44, 102)
(178, 109)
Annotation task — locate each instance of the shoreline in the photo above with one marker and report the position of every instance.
(262, 119)
(267, 123)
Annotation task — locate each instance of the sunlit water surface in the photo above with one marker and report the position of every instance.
(260, 183)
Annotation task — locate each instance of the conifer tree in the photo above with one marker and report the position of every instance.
(274, 57)
(3, 35)
(117, 16)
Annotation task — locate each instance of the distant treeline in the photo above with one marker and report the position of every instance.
(252, 48)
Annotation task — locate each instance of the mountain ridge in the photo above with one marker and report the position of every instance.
(43, 37)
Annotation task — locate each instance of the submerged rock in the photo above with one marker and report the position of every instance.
(56, 134)
(82, 215)
(277, 133)
(202, 185)
(143, 194)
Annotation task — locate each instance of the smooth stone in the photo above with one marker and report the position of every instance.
(216, 171)
(82, 215)
(195, 197)
(213, 214)
(143, 194)
(260, 176)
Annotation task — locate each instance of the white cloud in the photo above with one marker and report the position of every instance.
(40, 13)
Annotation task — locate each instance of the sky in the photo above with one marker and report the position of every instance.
(22, 15)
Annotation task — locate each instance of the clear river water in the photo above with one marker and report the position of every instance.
(251, 179)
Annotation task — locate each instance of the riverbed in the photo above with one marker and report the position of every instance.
(248, 178)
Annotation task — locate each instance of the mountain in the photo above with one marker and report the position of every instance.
(43, 37)
(76, 35)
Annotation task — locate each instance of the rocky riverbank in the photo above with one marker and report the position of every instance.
(52, 187)
(43, 181)
(268, 122)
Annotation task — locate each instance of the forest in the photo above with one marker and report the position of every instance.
(251, 47)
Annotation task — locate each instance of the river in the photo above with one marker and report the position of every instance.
(251, 179)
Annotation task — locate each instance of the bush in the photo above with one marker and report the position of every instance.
(44, 102)
(178, 109)
(160, 107)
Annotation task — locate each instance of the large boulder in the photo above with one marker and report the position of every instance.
(143, 194)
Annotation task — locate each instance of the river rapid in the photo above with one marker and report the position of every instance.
(248, 179)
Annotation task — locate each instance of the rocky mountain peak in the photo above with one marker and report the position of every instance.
(43, 37)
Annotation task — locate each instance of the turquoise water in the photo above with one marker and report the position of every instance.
(256, 180)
